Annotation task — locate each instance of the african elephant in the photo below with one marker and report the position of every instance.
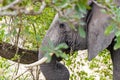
(95, 41)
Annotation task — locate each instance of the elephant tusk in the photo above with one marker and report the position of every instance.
(41, 61)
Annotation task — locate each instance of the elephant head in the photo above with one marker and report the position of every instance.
(60, 32)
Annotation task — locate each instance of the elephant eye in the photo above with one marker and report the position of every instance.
(62, 25)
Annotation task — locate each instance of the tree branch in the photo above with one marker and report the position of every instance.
(10, 5)
(8, 51)
(22, 11)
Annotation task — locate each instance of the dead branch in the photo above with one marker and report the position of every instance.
(21, 74)
(112, 14)
(100, 5)
(8, 51)
(21, 10)
(10, 5)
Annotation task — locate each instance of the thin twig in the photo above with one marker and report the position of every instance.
(35, 36)
(32, 74)
(100, 5)
(16, 71)
(23, 11)
(112, 14)
(21, 74)
(37, 72)
(58, 10)
(17, 48)
(10, 5)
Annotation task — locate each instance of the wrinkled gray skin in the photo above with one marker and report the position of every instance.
(95, 41)
(60, 33)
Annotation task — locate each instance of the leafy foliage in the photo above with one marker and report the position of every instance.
(100, 68)
(50, 48)
(27, 32)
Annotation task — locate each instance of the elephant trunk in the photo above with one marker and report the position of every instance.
(54, 70)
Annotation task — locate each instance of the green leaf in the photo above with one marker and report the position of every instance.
(48, 57)
(44, 48)
(50, 44)
(117, 33)
(61, 46)
(38, 37)
(108, 30)
(0, 18)
(64, 56)
(103, 11)
(82, 32)
(63, 19)
(117, 45)
(58, 53)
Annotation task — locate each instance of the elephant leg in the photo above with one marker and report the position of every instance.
(115, 55)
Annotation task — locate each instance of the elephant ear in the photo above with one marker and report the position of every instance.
(97, 40)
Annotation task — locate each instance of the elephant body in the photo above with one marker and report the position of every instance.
(95, 41)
